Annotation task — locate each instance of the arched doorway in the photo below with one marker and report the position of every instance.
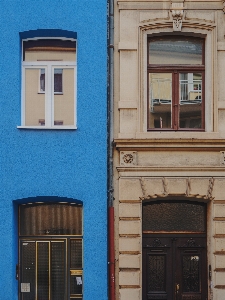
(50, 251)
(174, 250)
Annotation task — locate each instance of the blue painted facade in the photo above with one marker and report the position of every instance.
(60, 163)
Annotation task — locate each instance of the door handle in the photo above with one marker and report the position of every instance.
(177, 288)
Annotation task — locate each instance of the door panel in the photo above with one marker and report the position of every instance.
(174, 267)
(43, 268)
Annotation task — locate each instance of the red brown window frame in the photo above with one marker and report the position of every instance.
(175, 70)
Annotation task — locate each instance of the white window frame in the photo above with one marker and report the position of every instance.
(49, 67)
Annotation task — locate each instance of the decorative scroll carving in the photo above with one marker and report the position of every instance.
(156, 243)
(177, 15)
(190, 243)
(210, 188)
(166, 192)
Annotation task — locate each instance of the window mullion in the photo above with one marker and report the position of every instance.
(175, 106)
(48, 98)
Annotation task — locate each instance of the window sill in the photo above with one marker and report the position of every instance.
(48, 128)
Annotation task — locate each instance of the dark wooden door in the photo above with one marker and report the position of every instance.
(174, 267)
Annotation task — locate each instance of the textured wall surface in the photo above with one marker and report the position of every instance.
(62, 163)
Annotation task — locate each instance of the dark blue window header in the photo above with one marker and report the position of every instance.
(48, 33)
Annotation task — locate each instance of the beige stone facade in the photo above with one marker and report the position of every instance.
(157, 165)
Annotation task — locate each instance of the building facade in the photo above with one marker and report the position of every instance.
(53, 208)
(169, 138)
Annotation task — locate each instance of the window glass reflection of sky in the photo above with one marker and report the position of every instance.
(171, 51)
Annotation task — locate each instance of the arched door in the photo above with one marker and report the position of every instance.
(50, 251)
(174, 251)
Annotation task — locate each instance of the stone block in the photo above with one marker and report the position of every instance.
(218, 189)
(130, 189)
(130, 294)
(129, 210)
(219, 210)
(129, 227)
(219, 227)
(129, 261)
(129, 277)
(219, 261)
(220, 244)
(129, 244)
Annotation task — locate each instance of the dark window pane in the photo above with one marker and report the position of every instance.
(42, 80)
(58, 80)
(174, 216)
(156, 273)
(191, 276)
(75, 254)
(28, 267)
(174, 51)
(76, 284)
(58, 271)
(50, 219)
(42, 270)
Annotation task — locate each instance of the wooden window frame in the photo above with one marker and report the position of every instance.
(175, 70)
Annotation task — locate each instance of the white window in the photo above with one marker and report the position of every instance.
(49, 83)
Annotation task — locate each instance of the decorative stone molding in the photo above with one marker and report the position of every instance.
(177, 12)
(185, 193)
(210, 188)
(128, 158)
(222, 157)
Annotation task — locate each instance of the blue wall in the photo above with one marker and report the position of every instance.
(62, 163)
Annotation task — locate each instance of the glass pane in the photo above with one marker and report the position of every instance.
(64, 101)
(190, 114)
(156, 273)
(34, 97)
(58, 73)
(76, 283)
(42, 80)
(50, 219)
(76, 254)
(42, 270)
(191, 280)
(174, 216)
(58, 271)
(174, 51)
(160, 100)
(28, 268)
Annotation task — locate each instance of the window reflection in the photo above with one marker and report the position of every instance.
(160, 94)
(190, 100)
(171, 51)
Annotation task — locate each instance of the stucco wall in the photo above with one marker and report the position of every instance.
(55, 162)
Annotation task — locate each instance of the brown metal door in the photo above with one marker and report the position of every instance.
(174, 267)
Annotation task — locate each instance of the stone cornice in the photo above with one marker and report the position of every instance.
(158, 5)
(170, 144)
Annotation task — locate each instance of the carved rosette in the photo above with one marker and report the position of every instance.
(128, 158)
